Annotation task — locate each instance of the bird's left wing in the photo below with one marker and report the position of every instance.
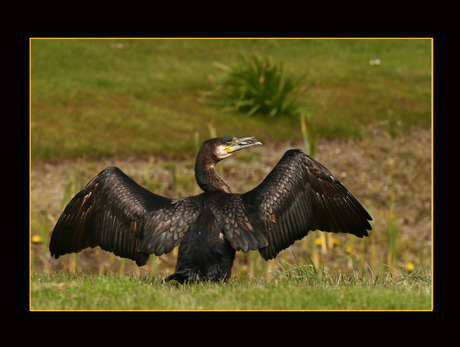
(300, 195)
(120, 216)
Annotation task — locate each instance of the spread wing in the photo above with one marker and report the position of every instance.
(300, 195)
(120, 216)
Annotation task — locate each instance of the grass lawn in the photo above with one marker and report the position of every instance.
(71, 291)
(104, 97)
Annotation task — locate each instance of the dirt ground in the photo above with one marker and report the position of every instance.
(390, 176)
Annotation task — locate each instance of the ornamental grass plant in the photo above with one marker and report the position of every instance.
(256, 85)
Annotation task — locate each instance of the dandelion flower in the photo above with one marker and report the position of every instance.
(261, 80)
(348, 249)
(318, 241)
(409, 267)
(36, 239)
(335, 241)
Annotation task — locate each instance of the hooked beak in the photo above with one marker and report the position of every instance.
(237, 144)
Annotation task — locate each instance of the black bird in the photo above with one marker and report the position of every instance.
(120, 216)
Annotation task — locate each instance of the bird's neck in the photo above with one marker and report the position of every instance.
(207, 177)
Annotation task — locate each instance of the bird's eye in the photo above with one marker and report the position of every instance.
(228, 143)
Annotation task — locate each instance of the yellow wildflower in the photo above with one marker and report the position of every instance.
(36, 239)
(318, 241)
(261, 80)
(409, 267)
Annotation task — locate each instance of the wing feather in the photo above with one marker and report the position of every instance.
(236, 222)
(120, 216)
(300, 195)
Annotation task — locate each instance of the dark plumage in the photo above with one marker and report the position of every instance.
(120, 216)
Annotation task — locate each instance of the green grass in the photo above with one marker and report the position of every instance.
(105, 97)
(80, 291)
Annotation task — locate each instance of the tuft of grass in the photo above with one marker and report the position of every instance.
(256, 85)
(392, 231)
(386, 276)
(309, 133)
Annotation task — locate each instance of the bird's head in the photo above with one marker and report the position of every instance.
(223, 147)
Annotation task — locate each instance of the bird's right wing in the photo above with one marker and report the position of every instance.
(120, 216)
(300, 195)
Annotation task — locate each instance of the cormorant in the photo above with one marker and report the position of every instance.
(120, 216)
